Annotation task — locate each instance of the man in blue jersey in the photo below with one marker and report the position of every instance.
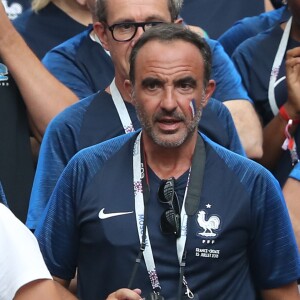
(82, 65)
(266, 63)
(109, 113)
(166, 209)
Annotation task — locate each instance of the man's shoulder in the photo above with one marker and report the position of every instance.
(71, 46)
(76, 112)
(104, 151)
(262, 40)
(234, 161)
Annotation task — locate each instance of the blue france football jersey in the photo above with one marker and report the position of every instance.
(83, 66)
(93, 120)
(239, 241)
(254, 59)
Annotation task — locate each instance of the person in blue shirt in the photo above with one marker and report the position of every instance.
(135, 211)
(109, 113)
(261, 61)
(273, 81)
(83, 66)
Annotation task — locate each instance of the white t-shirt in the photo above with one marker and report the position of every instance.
(20, 258)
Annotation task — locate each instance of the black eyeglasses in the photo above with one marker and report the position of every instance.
(124, 32)
(170, 219)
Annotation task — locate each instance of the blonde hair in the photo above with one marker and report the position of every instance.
(37, 5)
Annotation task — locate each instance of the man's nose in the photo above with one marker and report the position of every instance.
(168, 101)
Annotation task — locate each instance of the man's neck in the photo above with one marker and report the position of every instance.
(169, 162)
(120, 86)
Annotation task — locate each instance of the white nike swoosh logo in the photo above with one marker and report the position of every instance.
(103, 215)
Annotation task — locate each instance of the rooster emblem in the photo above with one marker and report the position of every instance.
(209, 225)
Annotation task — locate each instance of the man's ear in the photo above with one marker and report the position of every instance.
(101, 32)
(210, 88)
(178, 21)
(129, 89)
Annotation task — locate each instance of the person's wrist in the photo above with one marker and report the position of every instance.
(287, 113)
(292, 110)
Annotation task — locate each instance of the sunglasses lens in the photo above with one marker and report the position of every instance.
(166, 191)
(170, 222)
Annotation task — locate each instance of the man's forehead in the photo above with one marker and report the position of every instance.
(138, 10)
(169, 50)
(168, 58)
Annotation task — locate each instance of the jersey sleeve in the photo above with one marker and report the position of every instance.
(61, 63)
(56, 231)
(274, 256)
(236, 34)
(20, 258)
(58, 146)
(240, 60)
(228, 81)
(216, 116)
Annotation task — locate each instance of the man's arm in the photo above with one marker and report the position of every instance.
(43, 94)
(286, 292)
(248, 126)
(273, 133)
(291, 192)
(45, 289)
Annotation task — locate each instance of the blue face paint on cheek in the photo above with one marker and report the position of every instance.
(193, 107)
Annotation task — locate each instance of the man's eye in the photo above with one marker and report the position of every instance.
(185, 86)
(152, 86)
(125, 27)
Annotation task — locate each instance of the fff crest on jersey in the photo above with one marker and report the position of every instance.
(209, 224)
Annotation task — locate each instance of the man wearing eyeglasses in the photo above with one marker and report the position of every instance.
(109, 112)
(81, 65)
(135, 211)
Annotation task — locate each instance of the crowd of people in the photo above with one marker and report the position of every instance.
(148, 151)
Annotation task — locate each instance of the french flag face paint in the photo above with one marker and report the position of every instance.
(193, 107)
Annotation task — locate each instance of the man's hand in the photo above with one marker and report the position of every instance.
(125, 294)
(293, 82)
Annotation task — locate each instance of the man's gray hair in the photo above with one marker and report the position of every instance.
(101, 9)
(172, 32)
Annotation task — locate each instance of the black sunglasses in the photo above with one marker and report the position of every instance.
(170, 219)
